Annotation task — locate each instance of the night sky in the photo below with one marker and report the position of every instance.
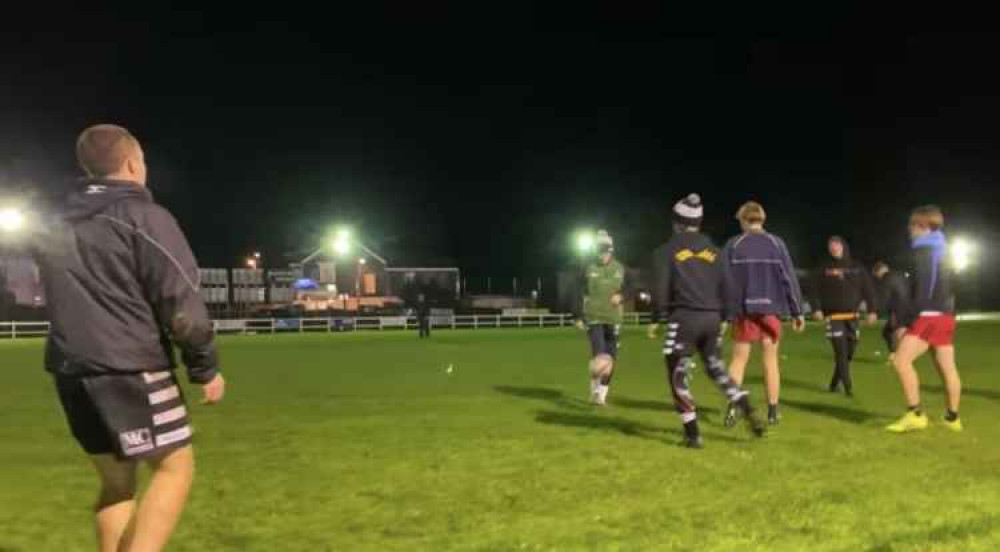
(484, 143)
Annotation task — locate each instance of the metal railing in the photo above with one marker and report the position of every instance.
(15, 330)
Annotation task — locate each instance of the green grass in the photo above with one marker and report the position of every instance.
(364, 442)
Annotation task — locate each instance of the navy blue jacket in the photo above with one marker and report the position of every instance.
(760, 277)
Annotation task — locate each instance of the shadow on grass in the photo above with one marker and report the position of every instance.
(624, 426)
(990, 394)
(842, 413)
(955, 534)
(554, 396)
(805, 386)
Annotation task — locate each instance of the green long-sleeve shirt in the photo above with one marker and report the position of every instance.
(601, 283)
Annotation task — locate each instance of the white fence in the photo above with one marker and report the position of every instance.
(14, 330)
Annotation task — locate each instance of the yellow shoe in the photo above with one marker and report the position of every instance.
(910, 421)
(955, 426)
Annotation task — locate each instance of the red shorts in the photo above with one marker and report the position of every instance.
(751, 328)
(936, 329)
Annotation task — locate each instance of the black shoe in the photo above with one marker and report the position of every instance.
(772, 415)
(693, 443)
(832, 388)
(849, 392)
(755, 424)
(730, 420)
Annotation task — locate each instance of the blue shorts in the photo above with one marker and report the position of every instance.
(603, 339)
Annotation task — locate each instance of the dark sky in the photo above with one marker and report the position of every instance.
(484, 142)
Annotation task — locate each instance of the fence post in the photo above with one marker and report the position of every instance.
(475, 321)
(13, 330)
(301, 322)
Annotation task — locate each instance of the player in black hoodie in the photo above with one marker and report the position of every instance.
(892, 290)
(841, 284)
(689, 296)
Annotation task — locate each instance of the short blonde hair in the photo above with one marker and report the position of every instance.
(927, 216)
(103, 149)
(751, 212)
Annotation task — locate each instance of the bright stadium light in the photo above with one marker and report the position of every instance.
(963, 253)
(342, 242)
(11, 220)
(585, 242)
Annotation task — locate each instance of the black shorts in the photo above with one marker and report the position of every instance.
(129, 415)
(690, 332)
(603, 339)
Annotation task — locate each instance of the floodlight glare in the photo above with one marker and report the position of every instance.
(341, 242)
(963, 253)
(11, 220)
(585, 242)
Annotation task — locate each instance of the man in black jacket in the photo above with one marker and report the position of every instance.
(689, 296)
(892, 290)
(423, 316)
(841, 284)
(122, 285)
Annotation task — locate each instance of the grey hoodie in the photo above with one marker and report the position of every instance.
(121, 285)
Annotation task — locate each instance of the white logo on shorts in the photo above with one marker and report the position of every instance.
(136, 441)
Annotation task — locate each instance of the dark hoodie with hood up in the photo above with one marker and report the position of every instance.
(121, 285)
(841, 284)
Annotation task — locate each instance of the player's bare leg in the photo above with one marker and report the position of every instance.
(116, 502)
(772, 378)
(910, 349)
(738, 362)
(161, 506)
(737, 369)
(944, 359)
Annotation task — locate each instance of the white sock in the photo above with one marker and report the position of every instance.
(602, 391)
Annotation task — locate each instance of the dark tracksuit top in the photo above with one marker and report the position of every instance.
(121, 285)
(931, 285)
(840, 286)
(892, 292)
(760, 277)
(688, 274)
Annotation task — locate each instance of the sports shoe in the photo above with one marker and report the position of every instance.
(773, 417)
(755, 424)
(595, 398)
(955, 425)
(911, 421)
(730, 420)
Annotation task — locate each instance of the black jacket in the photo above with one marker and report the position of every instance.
(931, 288)
(840, 286)
(688, 273)
(121, 284)
(893, 293)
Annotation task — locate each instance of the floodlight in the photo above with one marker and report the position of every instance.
(11, 220)
(342, 242)
(963, 253)
(585, 242)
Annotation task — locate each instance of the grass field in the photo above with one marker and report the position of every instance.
(363, 441)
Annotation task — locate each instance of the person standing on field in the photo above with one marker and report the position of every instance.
(123, 288)
(424, 316)
(930, 323)
(600, 314)
(762, 288)
(689, 297)
(891, 291)
(841, 285)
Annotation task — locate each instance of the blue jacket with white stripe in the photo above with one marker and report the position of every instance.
(760, 277)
